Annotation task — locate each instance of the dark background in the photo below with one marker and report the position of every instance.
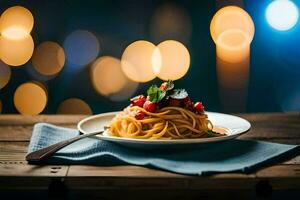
(275, 64)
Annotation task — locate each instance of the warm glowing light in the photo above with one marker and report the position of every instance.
(81, 47)
(156, 61)
(173, 58)
(231, 17)
(232, 30)
(233, 45)
(17, 19)
(282, 14)
(137, 61)
(30, 98)
(14, 33)
(16, 52)
(48, 58)
(74, 106)
(109, 80)
(5, 74)
(107, 75)
(171, 21)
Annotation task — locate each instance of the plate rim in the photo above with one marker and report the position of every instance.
(161, 141)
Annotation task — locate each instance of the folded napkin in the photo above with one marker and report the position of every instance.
(233, 155)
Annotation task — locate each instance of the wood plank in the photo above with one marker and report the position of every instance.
(281, 176)
(123, 178)
(13, 119)
(11, 185)
(12, 147)
(293, 141)
(279, 125)
(280, 171)
(164, 193)
(117, 171)
(10, 156)
(22, 169)
(21, 133)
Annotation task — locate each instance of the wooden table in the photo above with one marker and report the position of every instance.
(18, 179)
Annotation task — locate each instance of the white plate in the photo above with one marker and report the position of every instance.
(234, 125)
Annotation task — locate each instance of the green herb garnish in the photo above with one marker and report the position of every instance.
(155, 94)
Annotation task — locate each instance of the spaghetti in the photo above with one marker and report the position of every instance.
(166, 123)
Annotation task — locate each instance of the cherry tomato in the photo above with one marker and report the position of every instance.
(199, 106)
(138, 101)
(150, 106)
(140, 115)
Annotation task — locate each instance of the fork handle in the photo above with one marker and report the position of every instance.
(46, 152)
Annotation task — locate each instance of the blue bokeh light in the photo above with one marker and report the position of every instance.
(282, 15)
(81, 47)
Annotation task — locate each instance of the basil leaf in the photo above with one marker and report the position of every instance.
(151, 90)
(155, 94)
(160, 95)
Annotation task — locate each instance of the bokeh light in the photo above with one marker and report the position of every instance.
(14, 33)
(232, 30)
(107, 76)
(109, 80)
(137, 61)
(48, 58)
(16, 52)
(233, 45)
(231, 18)
(30, 98)
(81, 47)
(171, 60)
(171, 21)
(17, 20)
(74, 106)
(282, 15)
(5, 74)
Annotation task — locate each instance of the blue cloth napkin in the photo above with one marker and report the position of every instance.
(234, 155)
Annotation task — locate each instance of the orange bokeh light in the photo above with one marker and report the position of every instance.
(48, 58)
(74, 106)
(30, 98)
(231, 17)
(137, 61)
(107, 76)
(171, 60)
(232, 30)
(108, 79)
(16, 52)
(16, 18)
